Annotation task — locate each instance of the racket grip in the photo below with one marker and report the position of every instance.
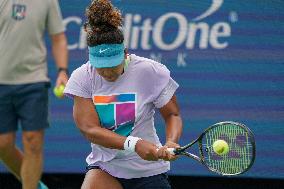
(172, 151)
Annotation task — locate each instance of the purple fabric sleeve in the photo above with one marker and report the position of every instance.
(79, 84)
(166, 94)
(164, 86)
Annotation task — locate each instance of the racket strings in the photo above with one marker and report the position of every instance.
(240, 154)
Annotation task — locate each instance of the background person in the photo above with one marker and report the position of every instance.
(24, 83)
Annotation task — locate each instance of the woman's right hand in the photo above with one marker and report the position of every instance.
(146, 150)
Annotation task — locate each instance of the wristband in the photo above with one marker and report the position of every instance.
(130, 143)
(63, 69)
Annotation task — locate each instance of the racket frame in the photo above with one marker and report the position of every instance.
(181, 150)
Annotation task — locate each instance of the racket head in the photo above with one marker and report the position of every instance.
(241, 154)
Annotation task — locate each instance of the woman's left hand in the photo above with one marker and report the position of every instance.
(164, 154)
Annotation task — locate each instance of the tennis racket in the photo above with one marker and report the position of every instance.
(237, 160)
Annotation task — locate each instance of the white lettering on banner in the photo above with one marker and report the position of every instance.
(181, 60)
(76, 20)
(155, 34)
(221, 29)
(216, 4)
(156, 57)
(140, 34)
(186, 33)
(159, 28)
(82, 39)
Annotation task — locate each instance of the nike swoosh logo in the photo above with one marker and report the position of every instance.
(128, 143)
(103, 50)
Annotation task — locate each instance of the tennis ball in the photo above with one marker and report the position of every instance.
(220, 147)
(58, 91)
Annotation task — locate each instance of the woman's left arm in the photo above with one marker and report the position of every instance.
(171, 114)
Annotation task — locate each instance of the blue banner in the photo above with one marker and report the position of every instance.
(227, 56)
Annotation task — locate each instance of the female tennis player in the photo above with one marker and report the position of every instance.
(115, 96)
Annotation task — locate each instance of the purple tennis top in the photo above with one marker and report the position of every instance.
(126, 107)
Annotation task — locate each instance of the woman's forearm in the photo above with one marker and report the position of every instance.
(173, 128)
(103, 137)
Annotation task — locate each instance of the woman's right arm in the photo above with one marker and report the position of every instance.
(87, 120)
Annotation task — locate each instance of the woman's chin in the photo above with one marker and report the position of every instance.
(110, 79)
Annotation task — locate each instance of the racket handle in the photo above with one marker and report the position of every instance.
(172, 151)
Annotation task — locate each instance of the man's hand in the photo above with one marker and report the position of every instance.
(62, 79)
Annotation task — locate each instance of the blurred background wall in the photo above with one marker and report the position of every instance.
(227, 56)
